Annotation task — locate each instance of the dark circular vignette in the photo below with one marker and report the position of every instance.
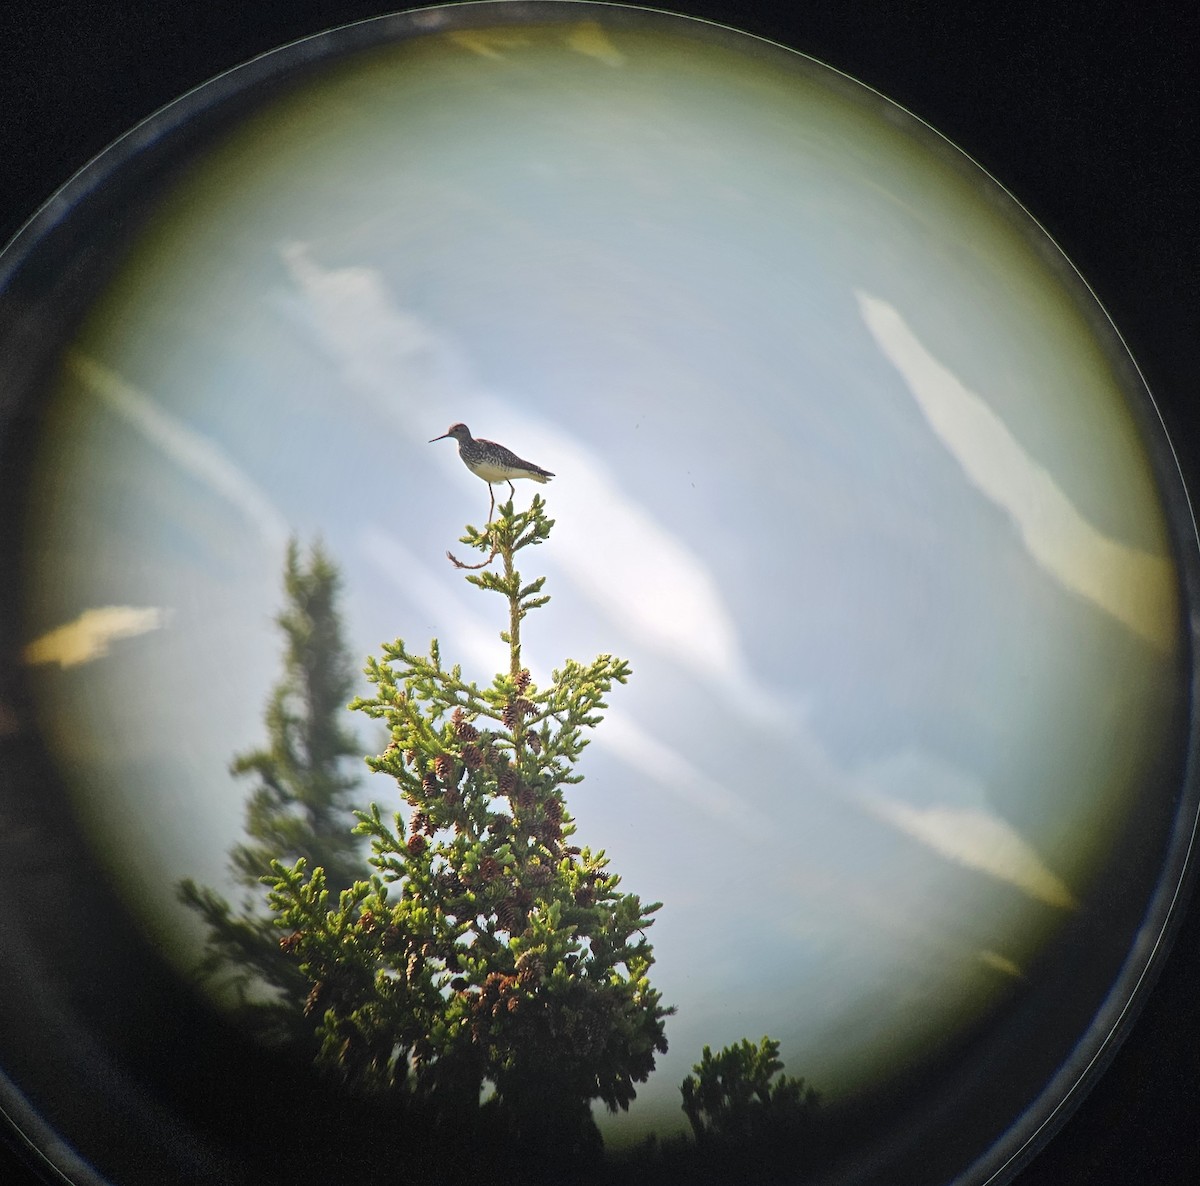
(1086, 118)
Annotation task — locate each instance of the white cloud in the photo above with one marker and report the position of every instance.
(590, 39)
(89, 636)
(946, 810)
(190, 450)
(1135, 587)
(393, 360)
(681, 778)
(981, 841)
(585, 37)
(1001, 963)
(488, 43)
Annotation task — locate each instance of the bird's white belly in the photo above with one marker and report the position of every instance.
(495, 473)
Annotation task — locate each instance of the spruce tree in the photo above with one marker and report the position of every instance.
(300, 806)
(487, 957)
(739, 1099)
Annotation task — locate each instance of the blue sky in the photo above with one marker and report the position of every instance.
(841, 469)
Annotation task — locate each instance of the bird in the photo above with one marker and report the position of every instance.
(492, 462)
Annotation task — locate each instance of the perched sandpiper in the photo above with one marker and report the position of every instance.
(492, 462)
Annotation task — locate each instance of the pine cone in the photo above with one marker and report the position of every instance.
(416, 844)
(446, 769)
(522, 680)
(490, 993)
(506, 781)
(510, 916)
(472, 758)
(534, 742)
(530, 968)
(290, 942)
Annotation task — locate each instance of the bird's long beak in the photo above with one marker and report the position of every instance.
(441, 438)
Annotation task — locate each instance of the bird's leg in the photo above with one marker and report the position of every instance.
(492, 496)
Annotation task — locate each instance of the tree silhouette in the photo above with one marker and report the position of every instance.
(300, 806)
(740, 1098)
(488, 970)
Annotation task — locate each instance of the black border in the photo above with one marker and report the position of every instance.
(1086, 113)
